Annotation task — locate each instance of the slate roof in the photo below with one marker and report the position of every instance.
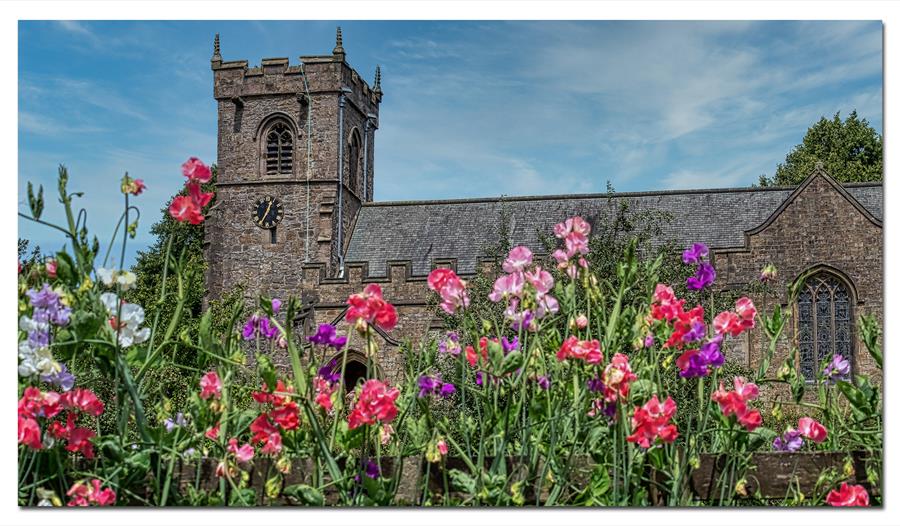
(421, 231)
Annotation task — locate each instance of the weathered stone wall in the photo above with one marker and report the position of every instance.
(819, 227)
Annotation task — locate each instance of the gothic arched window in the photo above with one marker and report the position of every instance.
(279, 149)
(824, 322)
(353, 157)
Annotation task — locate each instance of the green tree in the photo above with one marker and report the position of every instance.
(850, 150)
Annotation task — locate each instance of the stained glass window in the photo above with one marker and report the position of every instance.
(824, 323)
(279, 149)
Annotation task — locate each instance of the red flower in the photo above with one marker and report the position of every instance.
(848, 495)
(286, 416)
(213, 432)
(185, 209)
(196, 171)
(451, 289)
(199, 198)
(735, 402)
(812, 429)
(370, 307)
(35, 403)
(210, 386)
(574, 348)
(243, 453)
(324, 391)
(268, 397)
(747, 312)
(79, 441)
(376, 402)
(727, 322)
(685, 322)
(84, 495)
(83, 400)
(652, 421)
(29, 432)
(263, 431)
(665, 305)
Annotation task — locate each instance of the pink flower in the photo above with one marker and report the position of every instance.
(196, 171)
(518, 258)
(243, 453)
(665, 305)
(83, 400)
(848, 495)
(184, 209)
(199, 197)
(540, 279)
(812, 429)
(324, 392)
(617, 378)
(442, 447)
(210, 386)
(29, 432)
(376, 402)
(50, 265)
(574, 231)
(86, 494)
(735, 402)
(369, 307)
(581, 321)
(451, 289)
(507, 286)
(747, 311)
(589, 351)
(651, 421)
(727, 322)
(213, 432)
(132, 186)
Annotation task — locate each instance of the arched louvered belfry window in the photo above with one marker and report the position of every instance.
(279, 149)
(824, 322)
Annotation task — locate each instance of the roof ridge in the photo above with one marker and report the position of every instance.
(651, 193)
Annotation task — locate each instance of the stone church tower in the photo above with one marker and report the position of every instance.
(296, 145)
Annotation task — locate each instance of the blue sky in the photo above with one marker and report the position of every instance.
(470, 108)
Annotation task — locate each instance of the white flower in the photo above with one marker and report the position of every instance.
(107, 276)
(27, 324)
(126, 279)
(130, 317)
(36, 361)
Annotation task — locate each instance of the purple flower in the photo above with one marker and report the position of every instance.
(509, 346)
(327, 336)
(837, 370)
(276, 305)
(428, 385)
(768, 273)
(267, 329)
(791, 441)
(697, 332)
(702, 278)
(694, 253)
(330, 372)
(450, 344)
(44, 298)
(62, 378)
(447, 390)
(711, 352)
(595, 385)
(648, 341)
(544, 382)
(171, 424)
(48, 307)
(259, 325)
(372, 470)
(696, 366)
(250, 327)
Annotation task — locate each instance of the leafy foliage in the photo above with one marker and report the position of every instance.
(850, 150)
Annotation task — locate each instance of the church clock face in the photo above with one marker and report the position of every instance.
(267, 212)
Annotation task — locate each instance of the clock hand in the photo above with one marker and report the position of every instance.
(266, 213)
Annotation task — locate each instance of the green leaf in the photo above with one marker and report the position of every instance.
(65, 269)
(761, 437)
(642, 390)
(856, 397)
(242, 497)
(511, 362)
(306, 494)
(36, 204)
(463, 481)
(495, 355)
(266, 371)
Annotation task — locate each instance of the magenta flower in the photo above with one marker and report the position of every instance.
(433, 385)
(702, 278)
(544, 382)
(695, 253)
(327, 336)
(837, 370)
(259, 326)
(276, 305)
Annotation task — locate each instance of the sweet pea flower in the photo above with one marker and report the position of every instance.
(665, 305)
(506, 286)
(61, 378)
(812, 429)
(50, 266)
(327, 335)
(196, 171)
(241, 453)
(617, 378)
(848, 495)
(768, 273)
(704, 276)
(746, 311)
(790, 441)
(125, 320)
(171, 423)
(543, 382)
(451, 289)
(837, 370)
(581, 321)
(376, 402)
(183, 209)
(434, 386)
(369, 308)
(132, 186)
(576, 349)
(574, 231)
(651, 422)
(450, 344)
(518, 258)
(210, 386)
(727, 322)
(735, 402)
(695, 253)
(442, 447)
(83, 494)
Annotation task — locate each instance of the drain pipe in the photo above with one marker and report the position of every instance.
(340, 179)
(370, 118)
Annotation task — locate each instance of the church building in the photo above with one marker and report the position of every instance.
(295, 216)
